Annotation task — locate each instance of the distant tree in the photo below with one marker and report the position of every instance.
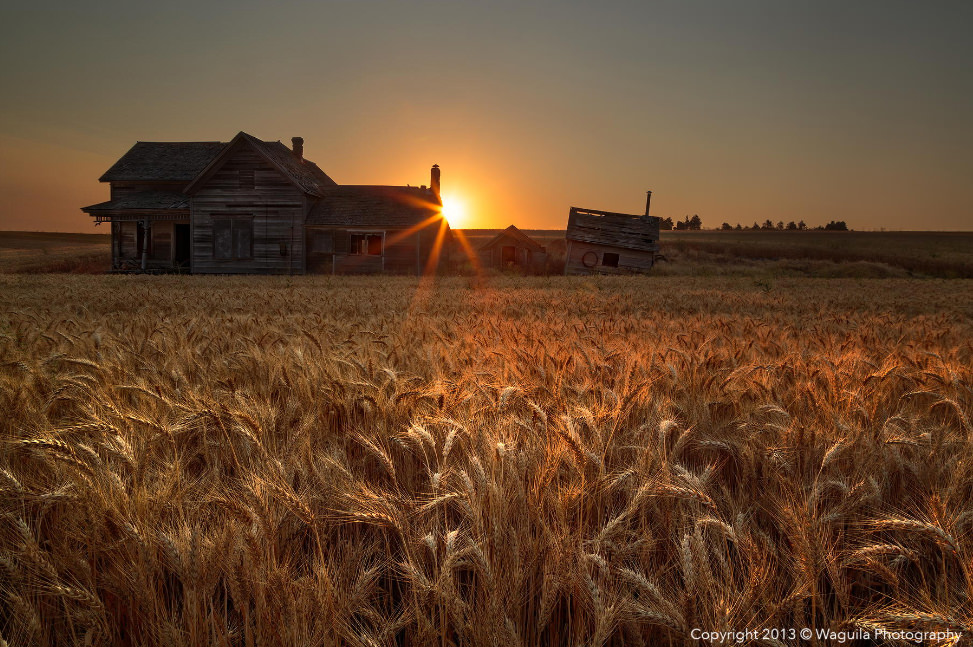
(755, 226)
(802, 226)
(836, 225)
(780, 225)
(680, 225)
(696, 223)
(791, 226)
(726, 226)
(666, 224)
(768, 225)
(739, 227)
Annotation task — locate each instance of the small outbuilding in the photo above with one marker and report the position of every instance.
(512, 249)
(604, 242)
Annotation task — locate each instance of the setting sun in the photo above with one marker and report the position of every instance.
(454, 211)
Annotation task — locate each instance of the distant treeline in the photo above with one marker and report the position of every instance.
(696, 223)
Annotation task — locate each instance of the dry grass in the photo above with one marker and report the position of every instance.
(860, 254)
(247, 461)
(32, 252)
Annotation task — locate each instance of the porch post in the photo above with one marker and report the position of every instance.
(145, 244)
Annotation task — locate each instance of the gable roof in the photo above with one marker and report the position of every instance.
(375, 206)
(512, 233)
(613, 229)
(304, 173)
(162, 161)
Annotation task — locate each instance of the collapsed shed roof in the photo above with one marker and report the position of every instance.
(613, 229)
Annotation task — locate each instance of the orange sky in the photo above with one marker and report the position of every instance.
(737, 112)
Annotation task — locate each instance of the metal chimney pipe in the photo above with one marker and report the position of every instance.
(648, 199)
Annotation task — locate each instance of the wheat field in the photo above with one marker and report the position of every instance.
(516, 461)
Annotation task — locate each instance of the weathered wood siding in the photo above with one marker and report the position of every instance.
(606, 242)
(329, 251)
(126, 247)
(524, 259)
(629, 260)
(121, 190)
(273, 205)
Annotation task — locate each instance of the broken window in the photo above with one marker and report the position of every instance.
(609, 259)
(375, 245)
(233, 238)
(366, 244)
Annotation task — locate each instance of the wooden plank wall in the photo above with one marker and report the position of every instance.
(403, 254)
(629, 260)
(127, 246)
(121, 190)
(607, 228)
(275, 205)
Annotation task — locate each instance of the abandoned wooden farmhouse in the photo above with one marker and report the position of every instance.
(512, 249)
(603, 242)
(250, 206)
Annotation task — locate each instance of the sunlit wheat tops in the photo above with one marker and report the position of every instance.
(523, 462)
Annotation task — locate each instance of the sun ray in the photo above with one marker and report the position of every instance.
(467, 248)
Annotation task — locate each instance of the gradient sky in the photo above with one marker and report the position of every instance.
(736, 111)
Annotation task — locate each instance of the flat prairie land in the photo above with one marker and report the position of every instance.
(818, 254)
(863, 254)
(522, 461)
(34, 251)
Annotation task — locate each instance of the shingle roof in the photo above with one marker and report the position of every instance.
(515, 234)
(613, 229)
(162, 161)
(302, 172)
(379, 206)
(145, 200)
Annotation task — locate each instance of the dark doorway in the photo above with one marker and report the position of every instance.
(183, 248)
(508, 255)
(139, 239)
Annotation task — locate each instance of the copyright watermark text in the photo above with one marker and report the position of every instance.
(806, 633)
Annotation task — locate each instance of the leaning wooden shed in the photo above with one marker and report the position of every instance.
(604, 242)
(512, 249)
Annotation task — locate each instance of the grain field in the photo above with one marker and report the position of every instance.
(519, 461)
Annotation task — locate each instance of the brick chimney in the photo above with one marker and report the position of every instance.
(648, 199)
(298, 146)
(434, 181)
